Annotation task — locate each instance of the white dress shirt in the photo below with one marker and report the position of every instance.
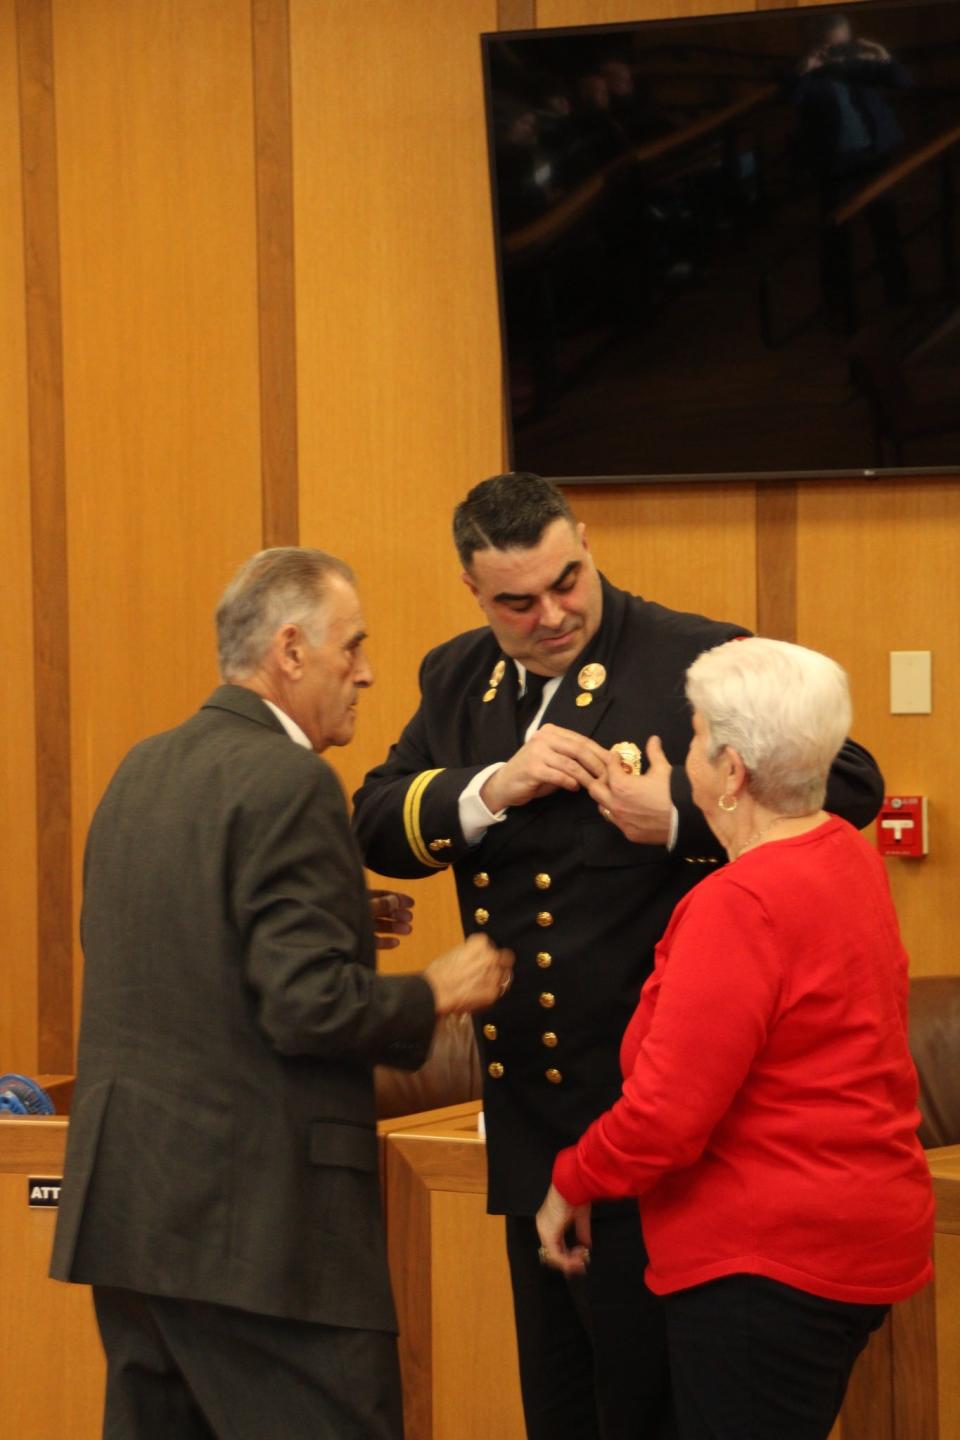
(291, 726)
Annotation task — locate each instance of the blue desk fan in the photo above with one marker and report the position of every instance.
(21, 1096)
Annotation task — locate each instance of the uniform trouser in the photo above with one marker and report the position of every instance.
(182, 1370)
(752, 1359)
(592, 1348)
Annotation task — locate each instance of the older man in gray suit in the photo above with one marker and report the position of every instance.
(221, 1190)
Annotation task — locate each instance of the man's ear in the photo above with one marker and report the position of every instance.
(288, 648)
(470, 583)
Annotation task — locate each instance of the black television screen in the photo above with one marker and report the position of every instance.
(728, 245)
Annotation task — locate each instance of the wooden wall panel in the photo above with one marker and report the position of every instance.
(398, 352)
(612, 12)
(18, 879)
(877, 571)
(688, 546)
(159, 270)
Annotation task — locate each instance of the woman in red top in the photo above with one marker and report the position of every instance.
(768, 1114)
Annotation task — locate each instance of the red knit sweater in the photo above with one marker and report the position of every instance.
(768, 1115)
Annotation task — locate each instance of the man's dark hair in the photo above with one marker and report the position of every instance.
(507, 512)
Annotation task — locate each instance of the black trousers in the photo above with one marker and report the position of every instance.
(593, 1352)
(755, 1360)
(181, 1370)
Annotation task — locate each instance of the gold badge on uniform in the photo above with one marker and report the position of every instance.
(629, 755)
(496, 675)
(584, 698)
(592, 676)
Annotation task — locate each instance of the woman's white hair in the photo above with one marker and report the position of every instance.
(784, 710)
(283, 586)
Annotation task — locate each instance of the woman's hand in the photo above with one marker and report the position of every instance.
(554, 1219)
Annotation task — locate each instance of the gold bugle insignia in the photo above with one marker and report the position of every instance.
(496, 674)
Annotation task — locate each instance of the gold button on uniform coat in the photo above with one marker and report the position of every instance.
(495, 1069)
(542, 881)
(549, 1039)
(544, 959)
(547, 1000)
(481, 880)
(481, 916)
(544, 919)
(490, 1031)
(553, 1076)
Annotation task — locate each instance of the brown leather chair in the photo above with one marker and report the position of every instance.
(450, 1075)
(935, 1046)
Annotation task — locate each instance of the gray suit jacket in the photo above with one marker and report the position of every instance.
(222, 1142)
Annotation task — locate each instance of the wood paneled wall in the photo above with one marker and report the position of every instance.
(253, 299)
(18, 868)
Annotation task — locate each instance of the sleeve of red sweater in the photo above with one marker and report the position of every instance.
(719, 988)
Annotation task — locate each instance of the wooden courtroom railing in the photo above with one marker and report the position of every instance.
(565, 214)
(895, 176)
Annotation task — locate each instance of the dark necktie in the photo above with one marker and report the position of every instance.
(529, 702)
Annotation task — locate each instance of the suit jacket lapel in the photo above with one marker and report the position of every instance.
(563, 709)
(238, 700)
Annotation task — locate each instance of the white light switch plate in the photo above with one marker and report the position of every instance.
(911, 685)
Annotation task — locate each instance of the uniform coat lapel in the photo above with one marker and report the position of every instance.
(493, 723)
(563, 710)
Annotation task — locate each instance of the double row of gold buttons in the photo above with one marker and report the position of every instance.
(544, 959)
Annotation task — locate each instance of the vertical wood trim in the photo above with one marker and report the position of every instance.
(276, 299)
(410, 1255)
(913, 1325)
(41, 239)
(777, 560)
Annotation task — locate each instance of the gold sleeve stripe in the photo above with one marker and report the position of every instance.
(411, 818)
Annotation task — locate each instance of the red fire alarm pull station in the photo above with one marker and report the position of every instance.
(902, 826)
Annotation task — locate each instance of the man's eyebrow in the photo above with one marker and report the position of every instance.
(567, 569)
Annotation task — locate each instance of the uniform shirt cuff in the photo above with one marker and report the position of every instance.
(475, 818)
(674, 828)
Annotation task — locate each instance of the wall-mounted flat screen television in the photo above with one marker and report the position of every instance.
(728, 245)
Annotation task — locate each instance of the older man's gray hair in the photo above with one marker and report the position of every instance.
(785, 710)
(283, 586)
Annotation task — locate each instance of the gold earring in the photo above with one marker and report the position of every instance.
(727, 809)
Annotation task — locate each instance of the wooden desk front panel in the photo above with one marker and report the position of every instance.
(51, 1362)
(448, 1263)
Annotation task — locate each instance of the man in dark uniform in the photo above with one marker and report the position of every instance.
(490, 776)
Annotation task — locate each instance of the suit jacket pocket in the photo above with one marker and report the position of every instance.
(350, 1147)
